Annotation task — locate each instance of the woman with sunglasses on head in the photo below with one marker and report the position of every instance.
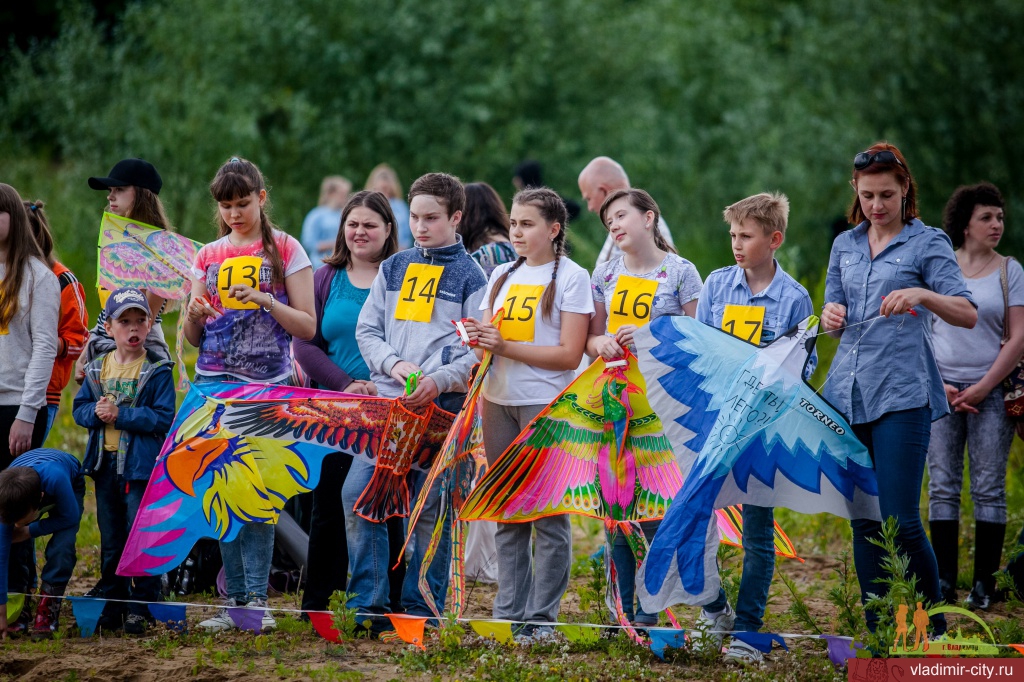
(973, 219)
(884, 276)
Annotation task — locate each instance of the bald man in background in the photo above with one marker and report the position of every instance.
(601, 177)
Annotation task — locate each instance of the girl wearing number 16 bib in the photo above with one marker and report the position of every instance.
(646, 281)
(548, 306)
(252, 291)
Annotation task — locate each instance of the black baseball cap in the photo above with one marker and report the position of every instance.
(130, 172)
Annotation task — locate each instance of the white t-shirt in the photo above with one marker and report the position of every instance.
(513, 383)
(966, 355)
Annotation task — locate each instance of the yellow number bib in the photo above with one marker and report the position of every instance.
(238, 270)
(521, 308)
(419, 289)
(744, 321)
(631, 303)
(104, 294)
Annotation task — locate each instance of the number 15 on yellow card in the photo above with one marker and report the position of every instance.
(418, 292)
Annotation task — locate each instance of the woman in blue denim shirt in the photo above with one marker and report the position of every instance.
(884, 276)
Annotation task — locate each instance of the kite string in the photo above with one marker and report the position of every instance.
(838, 365)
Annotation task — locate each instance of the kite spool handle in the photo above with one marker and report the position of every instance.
(412, 381)
(610, 364)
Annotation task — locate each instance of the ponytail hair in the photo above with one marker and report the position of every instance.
(40, 229)
(552, 209)
(643, 202)
(239, 178)
(21, 246)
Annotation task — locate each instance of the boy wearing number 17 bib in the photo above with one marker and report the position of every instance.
(647, 280)
(547, 304)
(405, 327)
(757, 301)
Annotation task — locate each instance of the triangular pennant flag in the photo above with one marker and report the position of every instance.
(246, 618)
(841, 649)
(409, 628)
(172, 615)
(580, 634)
(664, 638)
(323, 623)
(15, 603)
(1019, 648)
(87, 613)
(762, 641)
(499, 632)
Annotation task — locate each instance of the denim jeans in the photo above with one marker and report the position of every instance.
(988, 436)
(758, 567)
(625, 567)
(60, 553)
(369, 553)
(51, 415)
(117, 504)
(247, 561)
(898, 445)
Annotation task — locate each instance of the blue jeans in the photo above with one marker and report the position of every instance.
(60, 553)
(368, 549)
(117, 504)
(898, 445)
(247, 561)
(625, 567)
(51, 415)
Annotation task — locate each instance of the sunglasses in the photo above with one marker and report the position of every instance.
(865, 159)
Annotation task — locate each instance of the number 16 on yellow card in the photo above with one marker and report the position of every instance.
(631, 303)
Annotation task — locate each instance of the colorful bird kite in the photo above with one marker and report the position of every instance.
(598, 450)
(745, 429)
(237, 452)
(133, 254)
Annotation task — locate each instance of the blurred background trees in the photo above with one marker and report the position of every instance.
(703, 103)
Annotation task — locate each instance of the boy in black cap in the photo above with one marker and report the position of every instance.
(127, 403)
(40, 482)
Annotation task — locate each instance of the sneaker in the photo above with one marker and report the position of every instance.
(529, 635)
(136, 624)
(221, 621)
(742, 653)
(268, 623)
(707, 635)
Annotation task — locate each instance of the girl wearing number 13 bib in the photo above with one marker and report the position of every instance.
(548, 307)
(646, 281)
(252, 290)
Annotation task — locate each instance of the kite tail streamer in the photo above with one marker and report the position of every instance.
(386, 495)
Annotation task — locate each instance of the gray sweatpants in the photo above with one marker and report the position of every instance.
(526, 592)
(988, 436)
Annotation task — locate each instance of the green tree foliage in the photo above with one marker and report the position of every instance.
(703, 103)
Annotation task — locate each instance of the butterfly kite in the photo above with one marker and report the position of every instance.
(237, 452)
(745, 428)
(133, 254)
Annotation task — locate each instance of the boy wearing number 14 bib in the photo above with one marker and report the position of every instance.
(647, 280)
(548, 307)
(405, 327)
(757, 301)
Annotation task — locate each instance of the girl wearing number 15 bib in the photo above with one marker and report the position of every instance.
(547, 303)
(646, 281)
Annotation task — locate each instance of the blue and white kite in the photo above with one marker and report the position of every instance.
(745, 428)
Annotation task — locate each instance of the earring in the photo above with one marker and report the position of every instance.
(903, 209)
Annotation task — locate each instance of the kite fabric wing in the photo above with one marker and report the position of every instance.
(133, 254)
(235, 454)
(746, 428)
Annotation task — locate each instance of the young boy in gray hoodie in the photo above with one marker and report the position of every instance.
(405, 327)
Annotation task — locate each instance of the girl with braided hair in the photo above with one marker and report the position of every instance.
(547, 309)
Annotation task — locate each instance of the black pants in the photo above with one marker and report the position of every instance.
(21, 570)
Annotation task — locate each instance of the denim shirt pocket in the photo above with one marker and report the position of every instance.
(899, 270)
(852, 269)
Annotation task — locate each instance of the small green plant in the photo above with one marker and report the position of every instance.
(798, 609)
(450, 633)
(592, 592)
(727, 559)
(346, 619)
(845, 595)
(898, 589)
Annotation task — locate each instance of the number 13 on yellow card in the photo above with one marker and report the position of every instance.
(419, 289)
(744, 321)
(631, 303)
